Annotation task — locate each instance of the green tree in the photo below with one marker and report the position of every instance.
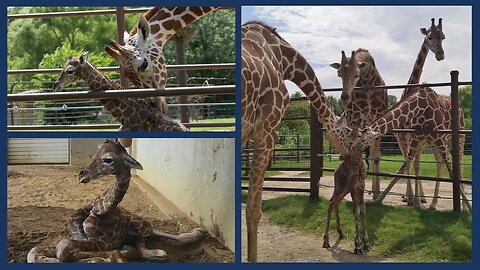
(392, 100)
(465, 100)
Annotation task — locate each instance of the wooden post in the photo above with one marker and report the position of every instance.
(120, 30)
(182, 78)
(455, 141)
(316, 149)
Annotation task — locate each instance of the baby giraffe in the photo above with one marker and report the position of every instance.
(350, 178)
(101, 228)
(133, 114)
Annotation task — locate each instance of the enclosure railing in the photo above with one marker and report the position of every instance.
(127, 93)
(316, 146)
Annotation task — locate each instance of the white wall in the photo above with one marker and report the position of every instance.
(197, 175)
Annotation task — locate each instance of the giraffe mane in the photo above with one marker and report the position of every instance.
(273, 30)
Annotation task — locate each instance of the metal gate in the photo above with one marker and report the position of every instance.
(38, 151)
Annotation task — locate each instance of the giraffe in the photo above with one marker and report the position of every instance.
(133, 114)
(434, 37)
(422, 110)
(268, 60)
(350, 178)
(142, 55)
(362, 107)
(101, 228)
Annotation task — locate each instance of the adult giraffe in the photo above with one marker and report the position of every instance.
(363, 106)
(267, 61)
(434, 37)
(142, 55)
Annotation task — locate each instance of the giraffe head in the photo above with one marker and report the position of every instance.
(110, 159)
(71, 72)
(349, 70)
(353, 143)
(141, 57)
(368, 136)
(434, 37)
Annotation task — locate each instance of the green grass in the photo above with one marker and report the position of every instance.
(426, 169)
(398, 233)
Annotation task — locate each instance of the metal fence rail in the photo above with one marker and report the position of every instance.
(125, 93)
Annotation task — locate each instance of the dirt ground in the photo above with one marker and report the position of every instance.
(278, 244)
(41, 198)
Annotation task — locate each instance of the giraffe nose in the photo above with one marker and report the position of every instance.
(440, 55)
(82, 172)
(345, 99)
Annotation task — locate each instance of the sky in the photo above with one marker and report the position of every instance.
(390, 33)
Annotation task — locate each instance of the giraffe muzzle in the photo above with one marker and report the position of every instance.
(83, 177)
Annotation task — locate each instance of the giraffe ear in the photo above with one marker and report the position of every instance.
(132, 163)
(83, 58)
(143, 28)
(424, 31)
(335, 65)
(126, 36)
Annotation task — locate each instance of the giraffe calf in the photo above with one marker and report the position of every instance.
(350, 178)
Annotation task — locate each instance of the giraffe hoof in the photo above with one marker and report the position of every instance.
(367, 247)
(358, 251)
(423, 200)
(432, 208)
(155, 255)
(341, 235)
(404, 199)
(326, 245)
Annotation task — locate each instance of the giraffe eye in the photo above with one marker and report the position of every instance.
(70, 71)
(108, 160)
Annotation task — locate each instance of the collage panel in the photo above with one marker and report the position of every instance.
(135, 75)
(357, 133)
(146, 69)
(89, 200)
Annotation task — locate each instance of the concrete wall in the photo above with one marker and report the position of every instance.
(83, 149)
(197, 175)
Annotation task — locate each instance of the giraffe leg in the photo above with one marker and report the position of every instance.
(264, 137)
(375, 154)
(142, 229)
(444, 157)
(356, 213)
(75, 223)
(262, 154)
(408, 198)
(440, 164)
(411, 153)
(69, 250)
(333, 204)
(403, 140)
(416, 166)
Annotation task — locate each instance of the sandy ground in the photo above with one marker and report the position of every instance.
(41, 198)
(278, 244)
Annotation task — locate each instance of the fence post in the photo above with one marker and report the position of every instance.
(316, 148)
(298, 146)
(455, 141)
(182, 77)
(120, 30)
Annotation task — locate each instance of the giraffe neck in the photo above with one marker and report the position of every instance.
(112, 196)
(302, 74)
(417, 69)
(97, 81)
(370, 76)
(169, 20)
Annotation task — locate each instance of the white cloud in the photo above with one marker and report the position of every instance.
(391, 34)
